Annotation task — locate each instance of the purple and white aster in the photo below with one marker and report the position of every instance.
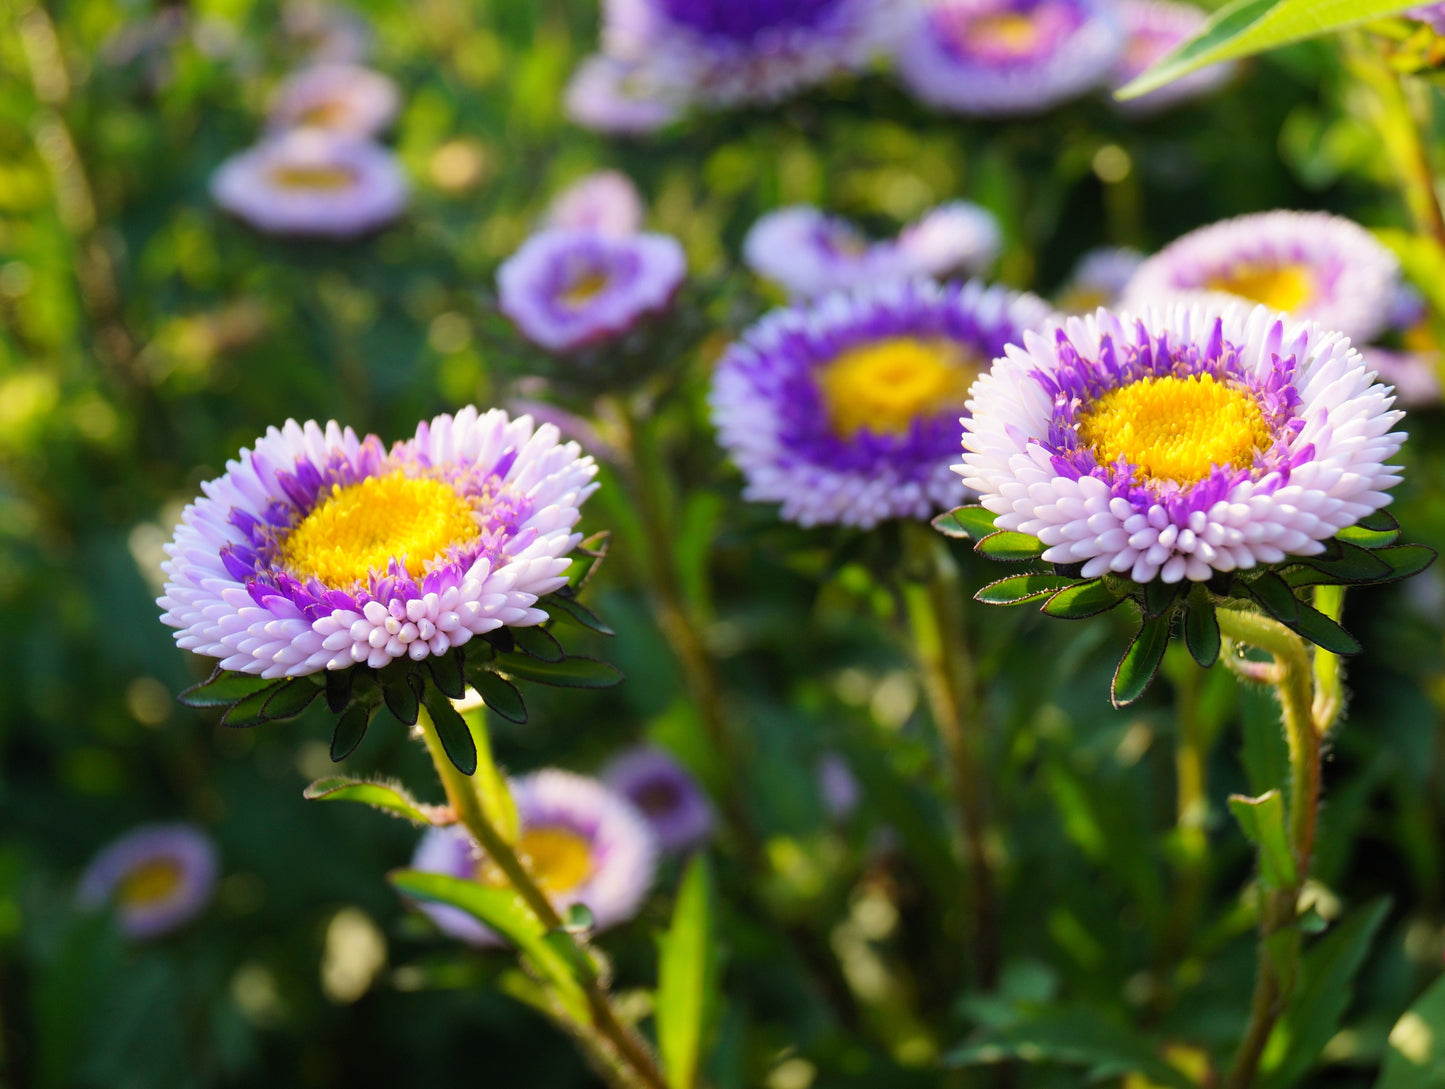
(342, 97)
(320, 550)
(1181, 442)
(606, 94)
(582, 843)
(156, 877)
(1099, 279)
(1312, 265)
(312, 182)
(1007, 57)
(605, 201)
(666, 795)
(566, 289)
(811, 253)
(1431, 14)
(1153, 28)
(846, 410)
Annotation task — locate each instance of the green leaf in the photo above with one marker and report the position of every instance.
(338, 688)
(453, 731)
(1416, 1059)
(500, 695)
(1077, 1036)
(971, 523)
(384, 796)
(223, 688)
(1321, 997)
(1159, 596)
(447, 671)
(1275, 595)
(1322, 631)
(538, 643)
(1246, 27)
(686, 977)
(1350, 564)
(399, 690)
(1009, 546)
(1406, 560)
(491, 783)
(1083, 599)
(291, 698)
(1366, 537)
(1201, 629)
(350, 729)
(1263, 822)
(251, 711)
(1017, 589)
(1141, 661)
(569, 673)
(574, 610)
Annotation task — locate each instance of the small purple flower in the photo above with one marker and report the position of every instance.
(1099, 279)
(156, 877)
(811, 253)
(1180, 442)
(1153, 28)
(664, 793)
(838, 786)
(1311, 265)
(611, 95)
(566, 289)
(319, 550)
(1431, 14)
(605, 201)
(845, 410)
(332, 34)
(1007, 57)
(582, 843)
(342, 97)
(312, 182)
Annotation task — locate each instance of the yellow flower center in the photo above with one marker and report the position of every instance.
(586, 289)
(1280, 287)
(326, 179)
(326, 114)
(150, 883)
(1176, 428)
(360, 528)
(883, 387)
(1005, 32)
(559, 859)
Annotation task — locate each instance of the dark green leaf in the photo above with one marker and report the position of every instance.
(1406, 560)
(1159, 596)
(1201, 629)
(1365, 537)
(1263, 822)
(399, 689)
(1083, 599)
(686, 977)
(384, 796)
(338, 688)
(291, 698)
(1020, 588)
(452, 729)
(1416, 1059)
(446, 671)
(251, 711)
(576, 611)
(1351, 564)
(1275, 595)
(1012, 547)
(1382, 521)
(569, 673)
(538, 643)
(973, 523)
(350, 729)
(500, 695)
(501, 640)
(223, 688)
(1322, 631)
(1141, 661)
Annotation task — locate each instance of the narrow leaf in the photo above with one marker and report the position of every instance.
(686, 977)
(1159, 596)
(1416, 1059)
(1017, 589)
(1009, 546)
(569, 673)
(1141, 661)
(350, 729)
(447, 671)
(291, 698)
(1263, 822)
(400, 693)
(1275, 595)
(251, 711)
(223, 688)
(500, 695)
(1351, 563)
(539, 643)
(971, 523)
(573, 609)
(1322, 631)
(1406, 560)
(338, 688)
(1083, 599)
(383, 796)
(453, 731)
(1201, 630)
(1366, 537)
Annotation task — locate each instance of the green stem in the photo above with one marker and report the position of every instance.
(1329, 675)
(633, 1065)
(939, 639)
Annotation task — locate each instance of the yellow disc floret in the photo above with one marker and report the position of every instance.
(321, 179)
(1176, 428)
(361, 528)
(1004, 32)
(585, 289)
(1280, 287)
(152, 882)
(558, 859)
(883, 387)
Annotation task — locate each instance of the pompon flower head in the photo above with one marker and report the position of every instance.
(1312, 265)
(1152, 28)
(157, 877)
(342, 97)
(666, 795)
(320, 550)
(605, 201)
(1007, 57)
(312, 182)
(846, 410)
(565, 289)
(622, 97)
(584, 844)
(1099, 279)
(811, 253)
(1181, 442)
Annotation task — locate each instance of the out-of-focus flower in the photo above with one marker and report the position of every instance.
(810, 253)
(838, 786)
(328, 32)
(605, 201)
(611, 95)
(1180, 442)
(1415, 375)
(581, 842)
(1312, 265)
(846, 410)
(664, 793)
(1431, 14)
(343, 97)
(565, 289)
(1007, 57)
(318, 550)
(1153, 28)
(1099, 279)
(156, 877)
(312, 182)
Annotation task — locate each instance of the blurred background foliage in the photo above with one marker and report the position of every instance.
(145, 337)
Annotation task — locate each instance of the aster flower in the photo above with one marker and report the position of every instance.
(312, 182)
(1315, 266)
(1152, 29)
(321, 550)
(664, 793)
(157, 877)
(583, 843)
(1415, 376)
(330, 33)
(565, 289)
(605, 201)
(838, 786)
(1099, 279)
(611, 95)
(342, 97)
(1007, 57)
(846, 410)
(811, 253)
(1432, 15)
